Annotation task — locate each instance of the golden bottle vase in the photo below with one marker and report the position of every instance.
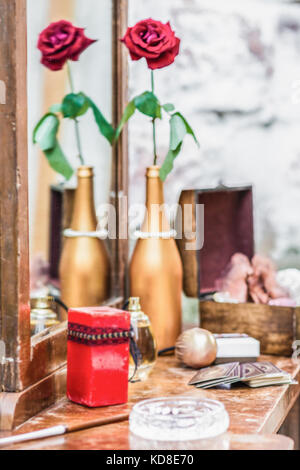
(84, 265)
(156, 270)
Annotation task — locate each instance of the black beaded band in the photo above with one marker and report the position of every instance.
(97, 336)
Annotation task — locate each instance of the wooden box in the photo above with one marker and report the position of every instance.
(227, 228)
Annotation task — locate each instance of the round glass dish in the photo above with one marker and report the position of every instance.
(178, 419)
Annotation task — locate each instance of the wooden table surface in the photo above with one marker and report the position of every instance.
(252, 412)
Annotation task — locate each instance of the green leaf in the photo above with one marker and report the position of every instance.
(168, 164)
(189, 130)
(56, 108)
(74, 105)
(179, 128)
(58, 161)
(148, 104)
(129, 111)
(45, 135)
(178, 131)
(105, 128)
(45, 131)
(169, 107)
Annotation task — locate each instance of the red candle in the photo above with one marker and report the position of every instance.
(98, 356)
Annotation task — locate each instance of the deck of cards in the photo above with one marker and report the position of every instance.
(253, 374)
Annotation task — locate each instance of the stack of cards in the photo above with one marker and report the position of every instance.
(254, 374)
(236, 348)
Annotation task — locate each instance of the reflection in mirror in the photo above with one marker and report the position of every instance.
(51, 196)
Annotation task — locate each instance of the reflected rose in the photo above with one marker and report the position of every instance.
(61, 41)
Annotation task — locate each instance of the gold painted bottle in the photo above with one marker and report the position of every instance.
(156, 269)
(84, 266)
(144, 340)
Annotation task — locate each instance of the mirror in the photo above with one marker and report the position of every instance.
(35, 365)
(51, 197)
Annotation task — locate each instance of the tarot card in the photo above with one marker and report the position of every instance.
(215, 373)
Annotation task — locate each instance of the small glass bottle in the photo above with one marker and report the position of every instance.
(144, 339)
(43, 314)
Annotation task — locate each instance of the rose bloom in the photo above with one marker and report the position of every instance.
(61, 41)
(154, 41)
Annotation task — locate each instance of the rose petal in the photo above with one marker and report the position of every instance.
(53, 64)
(154, 41)
(61, 41)
(165, 59)
(137, 50)
(52, 30)
(79, 47)
(134, 56)
(143, 31)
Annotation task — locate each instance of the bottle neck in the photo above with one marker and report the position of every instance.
(155, 218)
(137, 314)
(84, 214)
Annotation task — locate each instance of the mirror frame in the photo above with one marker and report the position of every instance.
(30, 360)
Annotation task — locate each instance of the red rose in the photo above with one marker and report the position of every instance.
(153, 40)
(61, 41)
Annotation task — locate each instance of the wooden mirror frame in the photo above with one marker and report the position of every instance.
(32, 372)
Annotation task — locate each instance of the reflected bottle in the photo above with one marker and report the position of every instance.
(144, 340)
(156, 270)
(84, 266)
(43, 314)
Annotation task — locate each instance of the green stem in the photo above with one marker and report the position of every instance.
(154, 123)
(77, 132)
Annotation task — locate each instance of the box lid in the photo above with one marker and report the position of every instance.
(99, 317)
(228, 229)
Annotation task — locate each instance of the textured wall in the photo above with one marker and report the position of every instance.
(235, 81)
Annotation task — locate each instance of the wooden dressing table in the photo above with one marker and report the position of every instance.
(256, 415)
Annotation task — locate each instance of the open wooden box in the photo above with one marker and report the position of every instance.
(227, 228)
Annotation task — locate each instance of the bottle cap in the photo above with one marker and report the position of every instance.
(134, 304)
(42, 302)
(43, 307)
(85, 172)
(152, 171)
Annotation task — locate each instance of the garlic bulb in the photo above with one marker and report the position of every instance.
(196, 348)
